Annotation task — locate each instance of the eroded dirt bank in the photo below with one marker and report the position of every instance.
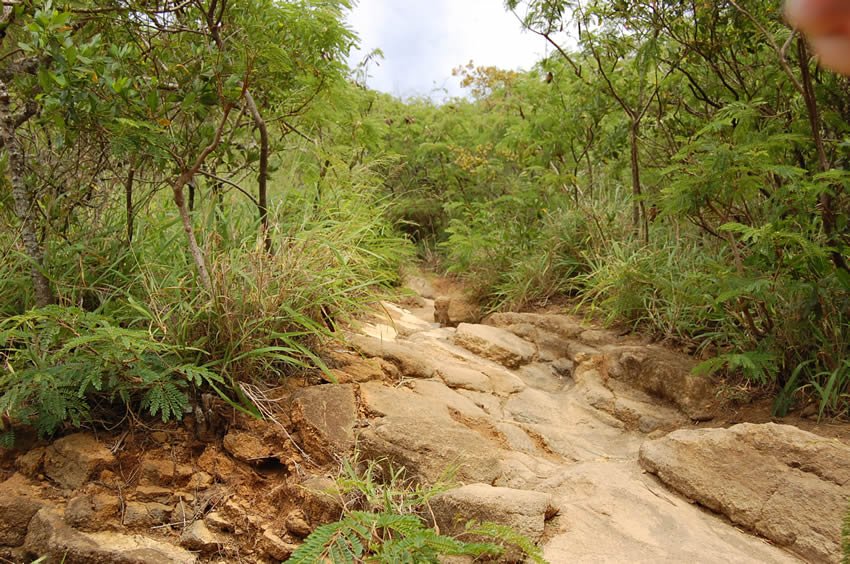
(579, 438)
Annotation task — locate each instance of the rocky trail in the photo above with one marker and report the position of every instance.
(583, 440)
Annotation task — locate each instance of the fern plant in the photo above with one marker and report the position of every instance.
(55, 361)
(384, 523)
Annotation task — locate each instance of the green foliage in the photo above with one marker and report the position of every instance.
(387, 538)
(57, 359)
(385, 521)
(639, 170)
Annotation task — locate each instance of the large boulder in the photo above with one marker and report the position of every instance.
(783, 483)
(325, 417)
(72, 460)
(495, 344)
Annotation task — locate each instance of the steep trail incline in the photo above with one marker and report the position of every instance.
(545, 414)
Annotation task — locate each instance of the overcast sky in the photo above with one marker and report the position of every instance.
(423, 40)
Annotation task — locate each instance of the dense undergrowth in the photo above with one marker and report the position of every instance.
(678, 171)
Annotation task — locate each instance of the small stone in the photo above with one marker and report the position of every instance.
(274, 546)
(297, 524)
(93, 511)
(200, 481)
(160, 437)
(156, 471)
(152, 493)
(246, 447)
(15, 515)
(72, 460)
(137, 514)
(218, 522)
(30, 464)
(198, 537)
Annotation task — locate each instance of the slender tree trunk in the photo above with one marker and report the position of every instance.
(825, 203)
(128, 193)
(186, 218)
(23, 196)
(639, 219)
(262, 194)
(590, 180)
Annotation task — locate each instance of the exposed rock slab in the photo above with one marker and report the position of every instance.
(495, 344)
(49, 536)
(325, 417)
(785, 484)
(72, 460)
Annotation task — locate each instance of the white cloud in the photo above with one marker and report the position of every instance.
(423, 40)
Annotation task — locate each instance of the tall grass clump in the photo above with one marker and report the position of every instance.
(132, 329)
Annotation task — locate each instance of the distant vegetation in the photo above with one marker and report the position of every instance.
(194, 194)
(682, 170)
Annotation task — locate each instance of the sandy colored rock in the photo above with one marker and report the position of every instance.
(156, 470)
(452, 311)
(495, 344)
(296, 523)
(786, 484)
(457, 375)
(199, 538)
(50, 537)
(153, 493)
(247, 447)
(664, 374)
(94, 511)
(365, 370)
(325, 417)
(141, 514)
(524, 511)
(274, 546)
(71, 461)
(410, 360)
(319, 499)
(565, 326)
(218, 522)
(16, 510)
(428, 448)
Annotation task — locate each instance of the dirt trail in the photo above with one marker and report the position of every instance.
(541, 414)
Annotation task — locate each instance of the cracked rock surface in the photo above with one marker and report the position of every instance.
(546, 421)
